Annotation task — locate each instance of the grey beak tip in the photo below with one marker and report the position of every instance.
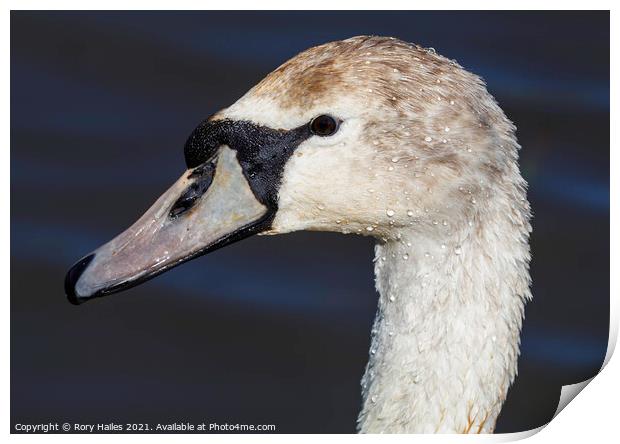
(72, 277)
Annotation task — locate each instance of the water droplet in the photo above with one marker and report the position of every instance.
(373, 351)
(458, 250)
(391, 333)
(451, 102)
(394, 159)
(435, 222)
(443, 246)
(438, 80)
(408, 244)
(370, 190)
(320, 207)
(390, 213)
(409, 213)
(494, 338)
(390, 168)
(405, 256)
(392, 298)
(473, 200)
(338, 221)
(369, 228)
(428, 138)
(373, 399)
(444, 223)
(444, 141)
(446, 129)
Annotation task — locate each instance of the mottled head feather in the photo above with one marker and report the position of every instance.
(426, 162)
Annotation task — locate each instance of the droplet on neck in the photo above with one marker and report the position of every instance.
(395, 159)
(410, 213)
(369, 228)
(373, 399)
(458, 250)
(390, 213)
(405, 256)
(428, 139)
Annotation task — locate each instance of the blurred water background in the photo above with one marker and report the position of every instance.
(273, 329)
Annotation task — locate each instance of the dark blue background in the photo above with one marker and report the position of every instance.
(270, 330)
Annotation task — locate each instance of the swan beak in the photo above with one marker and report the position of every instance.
(208, 207)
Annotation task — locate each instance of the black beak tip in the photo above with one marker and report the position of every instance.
(73, 275)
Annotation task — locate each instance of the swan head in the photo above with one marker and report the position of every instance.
(369, 135)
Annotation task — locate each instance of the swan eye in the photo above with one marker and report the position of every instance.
(323, 125)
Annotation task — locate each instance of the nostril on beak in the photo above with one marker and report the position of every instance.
(73, 276)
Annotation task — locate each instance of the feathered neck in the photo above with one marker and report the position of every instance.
(445, 340)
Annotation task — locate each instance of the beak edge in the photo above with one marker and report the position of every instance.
(73, 276)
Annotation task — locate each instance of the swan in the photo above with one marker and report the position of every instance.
(377, 137)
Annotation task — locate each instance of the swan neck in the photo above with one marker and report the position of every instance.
(445, 340)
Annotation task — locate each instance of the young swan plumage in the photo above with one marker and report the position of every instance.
(426, 162)
(378, 137)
